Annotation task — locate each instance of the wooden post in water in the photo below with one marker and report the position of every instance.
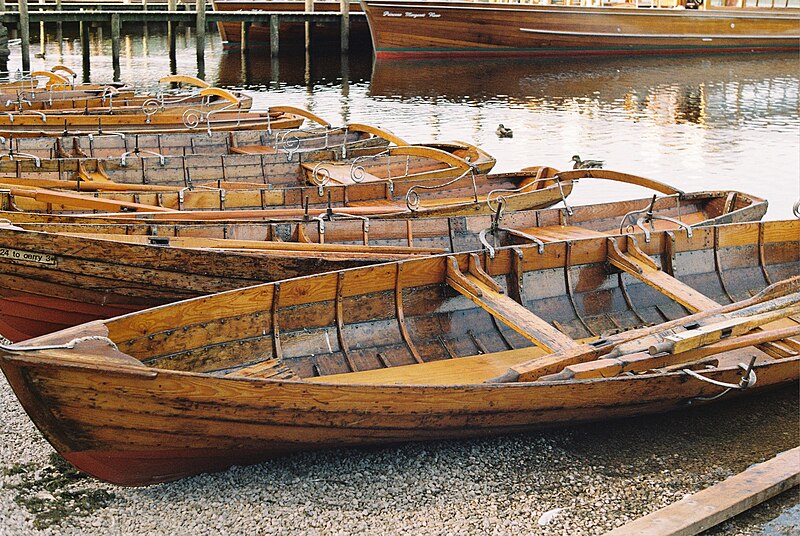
(345, 6)
(115, 45)
(201, 30)
(171, 36)
(309, 9)
(59, 29)
(84, 30)
(144, 5)
(274, 37)
(24, 33)
(245, 39)
(42, 35)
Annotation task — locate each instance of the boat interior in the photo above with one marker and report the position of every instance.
(467, 318)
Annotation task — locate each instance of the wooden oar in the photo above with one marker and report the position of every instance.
(643, 361)
(86, 186)
(80, 201)
(255, 214)
(640, 338)
(230, 243)
(618, 176)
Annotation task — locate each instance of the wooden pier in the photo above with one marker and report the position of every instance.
(116, 14)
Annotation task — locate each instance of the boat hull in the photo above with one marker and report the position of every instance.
(328, 361)
(156, 426)
(436, 29)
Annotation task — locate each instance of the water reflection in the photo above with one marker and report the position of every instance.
(699, 90)
(717, 122)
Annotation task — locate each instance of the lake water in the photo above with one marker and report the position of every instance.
(713, 122)
(721, 122)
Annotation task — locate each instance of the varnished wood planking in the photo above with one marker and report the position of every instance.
(610, 30)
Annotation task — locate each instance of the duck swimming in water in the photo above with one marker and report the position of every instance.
(586, 164)
(503, 132)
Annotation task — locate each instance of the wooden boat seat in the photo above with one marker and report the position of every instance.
(638, 264)
(554, 233)
(340, 173)
(464, 370)
(253, 149)
(425, 204)
(270, 368)
(479, 287)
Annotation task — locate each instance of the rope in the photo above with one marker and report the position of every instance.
(67, 346)
(747, 380)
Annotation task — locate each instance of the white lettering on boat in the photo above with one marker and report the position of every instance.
(30, 256)
(410, 15)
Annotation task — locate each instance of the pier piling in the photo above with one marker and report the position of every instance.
(115, 45)
(24, 34)
(84, 31)
(59, 28)
(274, 37)
(200, 29)
(345, 8)
(245, 38)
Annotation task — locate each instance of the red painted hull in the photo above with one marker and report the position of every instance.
(25, 315)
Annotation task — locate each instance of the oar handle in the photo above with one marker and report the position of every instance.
(619, 176)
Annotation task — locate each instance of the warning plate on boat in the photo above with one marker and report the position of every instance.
(29, 256)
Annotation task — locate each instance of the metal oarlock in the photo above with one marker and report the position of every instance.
(748, 379)
(123, 161)
(414, 200)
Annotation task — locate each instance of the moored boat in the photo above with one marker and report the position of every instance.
(408, 28)
(281, 158)
(448, 346)
(60, 276)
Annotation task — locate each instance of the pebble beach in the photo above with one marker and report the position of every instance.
(573, 481)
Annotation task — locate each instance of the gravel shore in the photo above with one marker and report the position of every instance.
(601, 476)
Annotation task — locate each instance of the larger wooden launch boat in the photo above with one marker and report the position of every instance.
(449, 346)
(428, 28)
(69, 273)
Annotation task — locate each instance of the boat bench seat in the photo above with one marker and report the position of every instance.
(554, 233)
(253, 149)
(464, 370)
(270, 368)
(340, 173)
(400, 202)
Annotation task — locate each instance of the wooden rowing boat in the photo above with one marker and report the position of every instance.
(34, 123)
(65, 97)
(72, 277)
(318, 135)
(50, 281)
(452, 234)
(450, 346)
(284, 159)
(464, 192)
(411, 29)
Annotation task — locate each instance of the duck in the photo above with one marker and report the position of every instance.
(504, 132)
(586, 164)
